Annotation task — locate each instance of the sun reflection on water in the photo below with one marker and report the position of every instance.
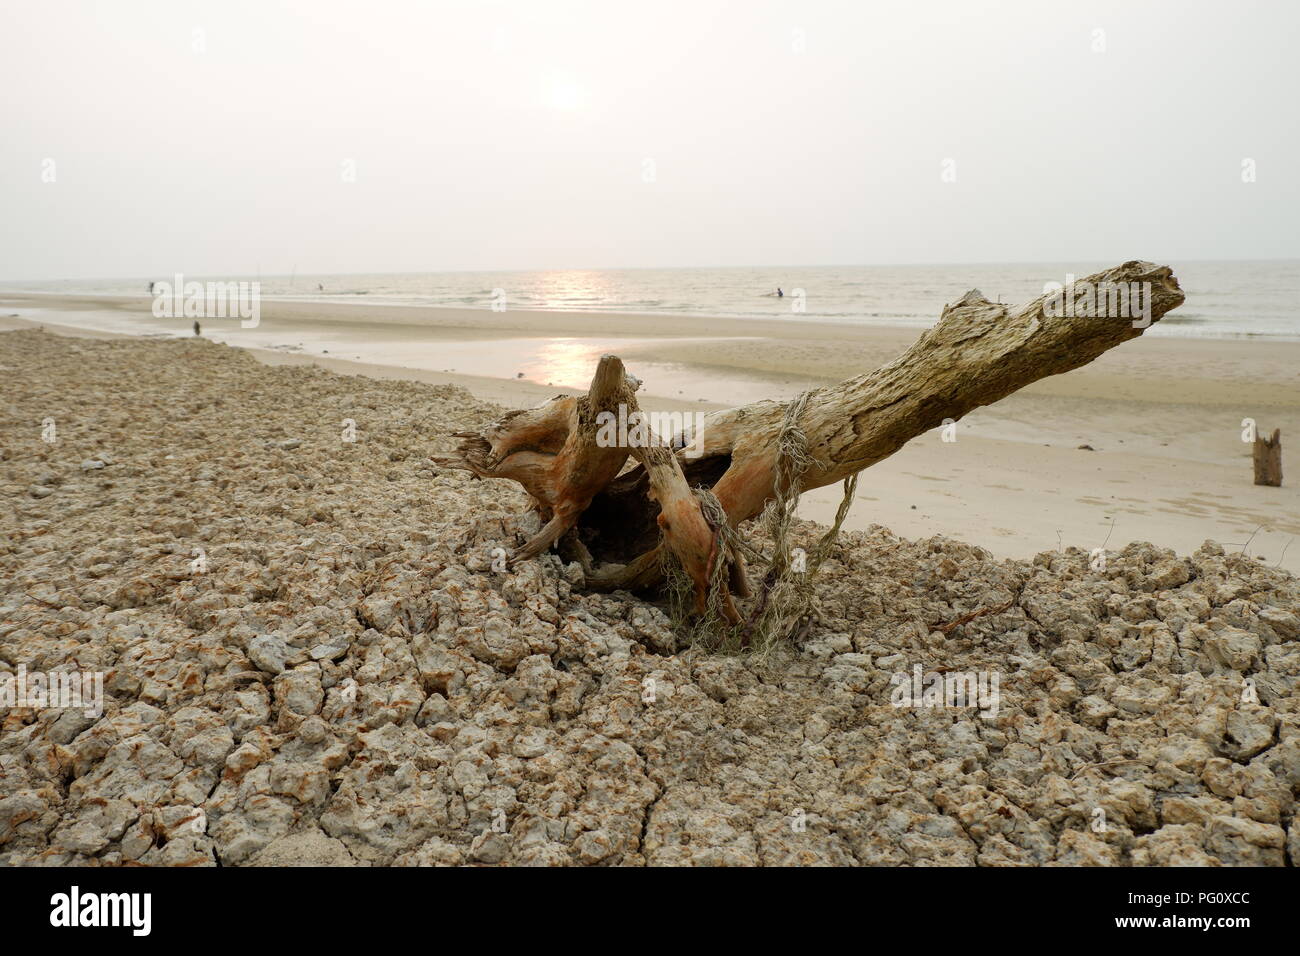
(567, 363)
(570, 289)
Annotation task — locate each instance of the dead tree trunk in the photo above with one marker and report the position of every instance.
(978, 353)
(1268, 459)
(552, 451)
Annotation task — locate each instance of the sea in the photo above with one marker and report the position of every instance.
(1224, 299)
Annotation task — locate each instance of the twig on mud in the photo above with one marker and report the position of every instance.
(1104, 764)
(967, 618)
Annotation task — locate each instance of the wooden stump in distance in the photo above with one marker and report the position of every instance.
(1268, 459)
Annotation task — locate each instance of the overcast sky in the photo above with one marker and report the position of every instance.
(235, 137)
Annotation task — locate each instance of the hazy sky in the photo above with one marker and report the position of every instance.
(219, 138)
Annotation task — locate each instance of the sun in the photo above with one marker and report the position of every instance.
(562, 93)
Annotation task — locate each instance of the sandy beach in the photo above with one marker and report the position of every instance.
(1162, 416)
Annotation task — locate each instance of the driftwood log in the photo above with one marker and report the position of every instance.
(1267, 455)
(621, 521)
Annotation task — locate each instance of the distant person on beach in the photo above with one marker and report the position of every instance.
(779, 293)
(196, 329)
(151, 285)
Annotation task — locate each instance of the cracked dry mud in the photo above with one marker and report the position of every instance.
(350, 682)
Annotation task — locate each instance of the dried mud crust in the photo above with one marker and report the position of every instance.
(350, 682)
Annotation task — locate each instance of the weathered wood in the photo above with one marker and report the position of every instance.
(552, 450)
(685, 531)
(555, 451)
(1268, 459)
(978, 353)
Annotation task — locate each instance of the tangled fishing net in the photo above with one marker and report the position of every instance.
(785, 604)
